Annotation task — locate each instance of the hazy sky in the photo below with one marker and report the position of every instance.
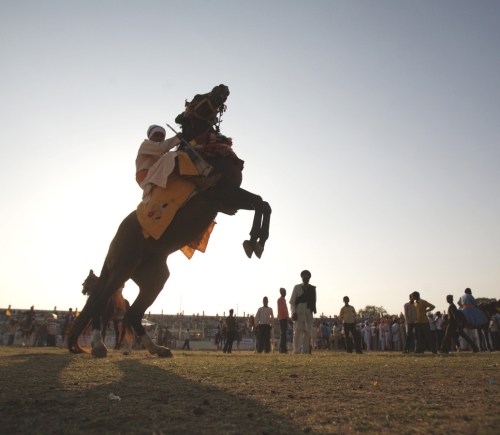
(371, 127)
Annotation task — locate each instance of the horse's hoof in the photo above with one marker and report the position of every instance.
(100, 352)
(248, 247)
(164, 352)
(258, 249)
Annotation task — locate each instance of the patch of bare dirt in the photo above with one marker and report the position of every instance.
(52, 391)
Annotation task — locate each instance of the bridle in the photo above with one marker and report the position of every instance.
(214, 102)
(214, 116)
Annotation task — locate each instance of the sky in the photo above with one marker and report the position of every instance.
(371, 127)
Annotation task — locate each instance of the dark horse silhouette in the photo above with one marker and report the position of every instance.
(489, 309)
(131, 256)
(115, 309)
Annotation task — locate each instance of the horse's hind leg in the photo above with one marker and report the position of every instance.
(150, 278)
(98, 335)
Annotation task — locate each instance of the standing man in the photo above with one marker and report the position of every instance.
(422, 327)
(348, 317)
(186, 335)
(438, 321)
(283, 319)
(231, 332)
(367, 335)
(409, 308)
(263, 322)
(303, 306)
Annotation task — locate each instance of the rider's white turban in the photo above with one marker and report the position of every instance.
(155, 129)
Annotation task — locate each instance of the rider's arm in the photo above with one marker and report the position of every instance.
(168, 144)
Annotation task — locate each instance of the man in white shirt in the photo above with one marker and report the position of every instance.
(154, 162)
(438, 321)
(367, 335)
(303, 306)
(263, 322)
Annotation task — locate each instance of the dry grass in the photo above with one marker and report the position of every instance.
(51, 391)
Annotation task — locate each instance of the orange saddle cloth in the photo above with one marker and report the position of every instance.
(155, 216)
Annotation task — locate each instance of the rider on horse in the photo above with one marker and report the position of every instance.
(156, 161)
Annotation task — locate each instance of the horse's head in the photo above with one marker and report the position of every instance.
(89, 283)
(203, 114)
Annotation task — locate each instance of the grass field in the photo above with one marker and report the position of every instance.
(49, 391)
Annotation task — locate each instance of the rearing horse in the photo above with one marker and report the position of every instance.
(132, 256)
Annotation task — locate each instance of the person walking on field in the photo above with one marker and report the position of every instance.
(264, 321)
(348, 317)
(283, 319)
(303, 306)
(455, 328)
(231, 331)
(422, 326)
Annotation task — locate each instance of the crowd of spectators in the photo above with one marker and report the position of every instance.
(390, 334)
(385, 334)
(34, 328)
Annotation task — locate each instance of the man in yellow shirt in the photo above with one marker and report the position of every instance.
(422, 327)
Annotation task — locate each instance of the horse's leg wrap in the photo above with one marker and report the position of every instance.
(154, 349)
(99, 349)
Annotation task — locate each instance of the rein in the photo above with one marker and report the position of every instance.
(215, 112)
(214, 116)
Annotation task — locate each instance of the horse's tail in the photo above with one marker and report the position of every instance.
(127, 332)
(85, 317)
(81, 323)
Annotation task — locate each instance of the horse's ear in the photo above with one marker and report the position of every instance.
(91, 272)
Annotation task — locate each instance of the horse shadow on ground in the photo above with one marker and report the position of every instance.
(153, 400)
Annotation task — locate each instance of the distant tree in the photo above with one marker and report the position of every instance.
(372, 312)
(481, 301)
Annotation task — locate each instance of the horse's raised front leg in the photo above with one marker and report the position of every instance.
(249, 245)
(231, 197)
(260, 228)
(264, 230)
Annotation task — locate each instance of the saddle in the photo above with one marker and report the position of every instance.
(156, 215)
